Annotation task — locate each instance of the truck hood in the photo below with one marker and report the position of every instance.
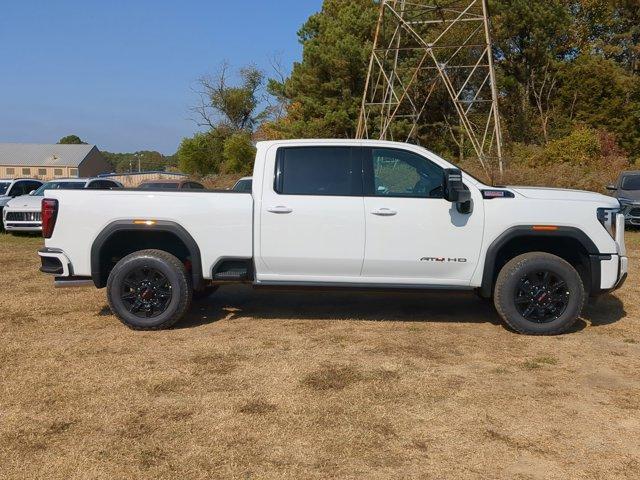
(25, 203)
(629, 195)
(564, 194)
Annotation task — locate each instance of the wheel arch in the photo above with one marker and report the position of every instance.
(569, 243)
(163, 235)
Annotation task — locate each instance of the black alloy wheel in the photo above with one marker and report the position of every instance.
(149, 290)
(146, 292)
(538, 293)
(541, 296)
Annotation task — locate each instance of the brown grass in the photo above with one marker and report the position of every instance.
(259, 384)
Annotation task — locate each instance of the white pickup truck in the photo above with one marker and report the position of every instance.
(341, 213)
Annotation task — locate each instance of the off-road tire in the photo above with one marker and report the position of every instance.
(507, 284)
(176, 275)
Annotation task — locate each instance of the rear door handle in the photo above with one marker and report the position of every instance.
(384, 212)
(280, 209)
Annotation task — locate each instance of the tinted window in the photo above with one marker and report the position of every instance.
(3, 187)
(400, 173)
(243, 186)
(159, 186)
(318, 171)
(59, 184)
(17, 189)
(632, 182)
(102, 185)
(193, 186)
(31, 186)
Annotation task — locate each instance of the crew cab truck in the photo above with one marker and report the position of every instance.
(341, 213)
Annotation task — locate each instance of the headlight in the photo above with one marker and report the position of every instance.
(607, 217)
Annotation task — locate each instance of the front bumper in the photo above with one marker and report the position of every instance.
(614, 268)
(21, 221)
(631, 212)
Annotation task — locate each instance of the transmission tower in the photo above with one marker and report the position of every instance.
(431, 57)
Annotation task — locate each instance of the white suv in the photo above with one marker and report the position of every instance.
(22, 214)
(15, 187)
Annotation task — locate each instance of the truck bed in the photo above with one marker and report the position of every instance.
(220, 222)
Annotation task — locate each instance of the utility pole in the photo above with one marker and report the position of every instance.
(426, 52)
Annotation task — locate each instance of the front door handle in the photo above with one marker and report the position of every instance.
(384, 212)
(280, 209)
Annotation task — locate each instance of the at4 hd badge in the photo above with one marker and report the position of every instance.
(443, 259)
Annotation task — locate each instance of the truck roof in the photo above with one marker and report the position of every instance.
(331, 141)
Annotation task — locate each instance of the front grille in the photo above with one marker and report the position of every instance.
(635, 212)
(23, 216)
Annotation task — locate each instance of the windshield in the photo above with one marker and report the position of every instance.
(59, 185)
(163, 186)
(632, 182)
(3, 187)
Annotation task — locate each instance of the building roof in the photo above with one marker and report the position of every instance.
(43, 155)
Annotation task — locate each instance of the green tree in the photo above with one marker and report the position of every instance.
(231, 113)
(203, 153)
(239, 153)
(71, 140)
(233, 106)
(600, 93)
(325, 88)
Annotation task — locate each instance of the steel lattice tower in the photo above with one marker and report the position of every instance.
(427, 56)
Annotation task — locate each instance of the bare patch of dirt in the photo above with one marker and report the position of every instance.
(272, 385)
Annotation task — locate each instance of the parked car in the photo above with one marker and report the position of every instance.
(15, 187)
(171, 185)
(627, 191)
(22, 214)
(342, 213)
(243, 185)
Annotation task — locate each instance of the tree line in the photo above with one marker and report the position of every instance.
(568, 74)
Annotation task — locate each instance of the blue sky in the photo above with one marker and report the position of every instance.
(121, 74)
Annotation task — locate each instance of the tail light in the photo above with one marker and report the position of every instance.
(49, 214)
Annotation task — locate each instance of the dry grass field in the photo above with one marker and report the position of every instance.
(261, 384)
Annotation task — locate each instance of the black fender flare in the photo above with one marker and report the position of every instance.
(486, 288)
(159, 226)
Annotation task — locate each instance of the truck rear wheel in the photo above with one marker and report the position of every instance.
(539, 294)
(149, 290)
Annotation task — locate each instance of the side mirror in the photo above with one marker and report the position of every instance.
(31, 192)
(455, 191)
(611, 188)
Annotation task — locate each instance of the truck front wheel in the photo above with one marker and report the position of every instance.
(539, 294)
(149, 290)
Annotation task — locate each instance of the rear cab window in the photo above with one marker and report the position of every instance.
(335, 171)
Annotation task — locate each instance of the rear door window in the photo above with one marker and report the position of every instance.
(319, 171)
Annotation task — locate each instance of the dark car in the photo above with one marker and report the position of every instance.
(171, 185)
(627, 191)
